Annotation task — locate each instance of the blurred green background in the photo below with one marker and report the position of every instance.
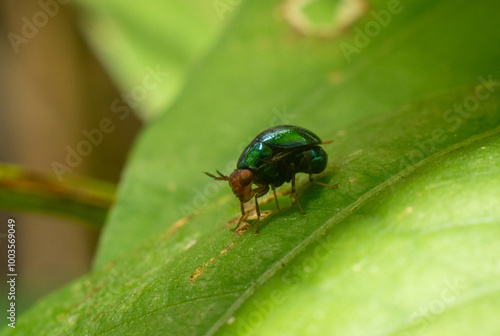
(64, 64)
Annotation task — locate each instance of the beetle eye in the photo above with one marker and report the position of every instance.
(245, 177)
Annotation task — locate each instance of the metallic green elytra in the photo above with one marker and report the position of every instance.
(271, 153)
(273, 158)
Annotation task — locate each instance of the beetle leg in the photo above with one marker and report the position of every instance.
(309, 168)
(276, 198)
(317, 182)
(259, 192)
(310, 171)
(292, 166)
(258, 215)
(242, 218)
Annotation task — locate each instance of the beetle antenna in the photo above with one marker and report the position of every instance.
(226, 178)
(221, 177)
(326, 142)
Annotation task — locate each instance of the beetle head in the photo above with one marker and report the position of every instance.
(240, 181)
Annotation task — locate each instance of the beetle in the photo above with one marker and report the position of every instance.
(270, 160)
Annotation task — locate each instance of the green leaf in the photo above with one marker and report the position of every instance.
(134, 40)
(416, 255)
(406, 245)
(79, 198)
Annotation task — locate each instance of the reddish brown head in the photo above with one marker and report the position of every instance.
(240, 181)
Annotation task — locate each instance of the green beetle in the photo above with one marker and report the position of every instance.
(271, 159)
